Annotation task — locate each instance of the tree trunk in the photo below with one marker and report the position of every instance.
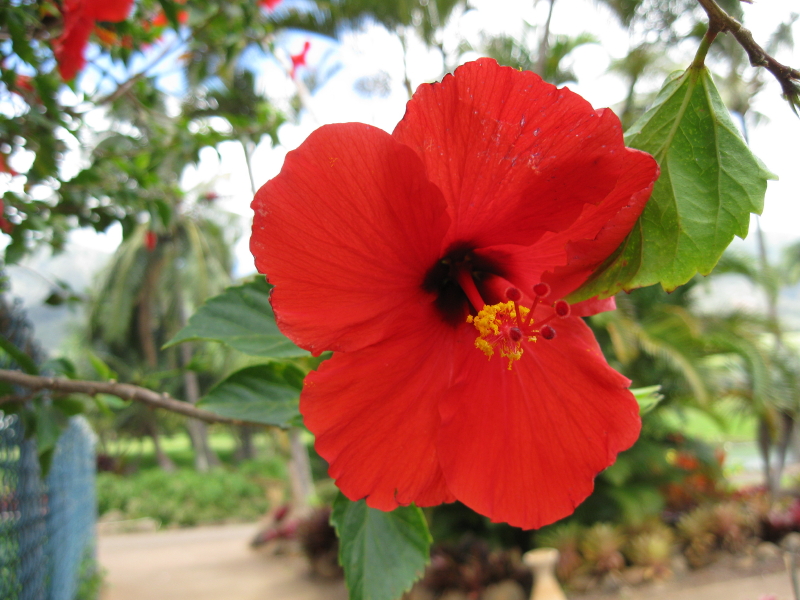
(299, 470)
(163, 459)
(204, 457)
(784, 441)
(764, 447)
(544, 43)
(246, 449)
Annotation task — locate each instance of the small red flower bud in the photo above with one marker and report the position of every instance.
(541, 290)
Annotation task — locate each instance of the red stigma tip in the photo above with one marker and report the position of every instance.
(515, 334)
(548, 332)
(541, 290)
(561, 308)
(513, 294)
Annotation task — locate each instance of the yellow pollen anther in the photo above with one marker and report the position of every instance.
(494, 324)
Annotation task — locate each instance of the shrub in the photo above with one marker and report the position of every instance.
(187, 497)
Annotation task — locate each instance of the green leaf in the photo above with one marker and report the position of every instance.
(242, 318)
(382, 553)
(263, 394)
(104, 372)
(710, 183)
(49, 423)
(24, 361)
(647, 397)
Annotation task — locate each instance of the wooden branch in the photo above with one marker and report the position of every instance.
(721, 21)
(124, 87)
(125, 391)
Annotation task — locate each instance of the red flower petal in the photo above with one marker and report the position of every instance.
(107, 10)
(375, 416)
(79, 18)
(523, 446)
(514, 156)
(69, 48)
(566, 259)
(589, 245)
(346, 233)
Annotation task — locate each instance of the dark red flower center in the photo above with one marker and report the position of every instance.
(445, 278)
(503, 326)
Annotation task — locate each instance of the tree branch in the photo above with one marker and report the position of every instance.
(125, 391)
(723, 22)
(124, 87)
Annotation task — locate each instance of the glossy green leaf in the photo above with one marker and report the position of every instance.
(382, 553)
(710, 183)
(263, 394)
(242, 318)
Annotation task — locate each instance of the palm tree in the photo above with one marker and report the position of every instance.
(154, 281)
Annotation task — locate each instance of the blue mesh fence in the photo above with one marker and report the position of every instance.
(47, 526)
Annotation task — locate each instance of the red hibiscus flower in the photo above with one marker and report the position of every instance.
(434, 262)
(299, 60)
(79, 19)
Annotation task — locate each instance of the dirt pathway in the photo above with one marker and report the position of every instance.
(204, 563)
(216, 563)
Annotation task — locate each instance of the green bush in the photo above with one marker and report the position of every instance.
(187, 497)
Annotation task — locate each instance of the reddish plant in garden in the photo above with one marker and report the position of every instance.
(299, 60)
(434, 263)
(80, 17)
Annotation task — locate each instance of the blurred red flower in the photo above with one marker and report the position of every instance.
(4, 166)
(80, 17)
(161, 20)
(299, 60)
(150, 240)
(269, 4)
(5, 226)
(410, 256)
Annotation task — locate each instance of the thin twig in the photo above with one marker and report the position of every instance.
(125, 391)
(722, 21)
(124, 87)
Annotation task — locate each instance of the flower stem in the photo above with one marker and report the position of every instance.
(705, 44)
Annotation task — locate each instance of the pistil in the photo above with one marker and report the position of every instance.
(507, 325)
